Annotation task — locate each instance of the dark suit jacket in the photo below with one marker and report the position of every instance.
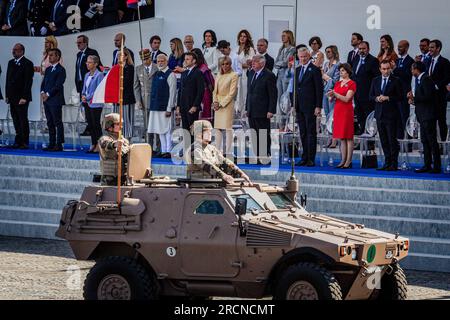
(128, 84)
(82, 66)
(114, 54)
(367, 72)
(157, 54)
(351, 61)
(270, 62)
(19, 79)
(110, 16)
(404, 73)
(309, 89)
(61, 16)
(18, 18)
(441, 76)
(425, 99)
(53, 84)
(192, 89)
(261, 94)
(388, 109)
(1, 95)
(39, 13)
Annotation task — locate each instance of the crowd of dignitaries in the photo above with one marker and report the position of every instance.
(223, 83)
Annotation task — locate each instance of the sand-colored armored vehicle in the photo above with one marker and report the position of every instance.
(203, 238)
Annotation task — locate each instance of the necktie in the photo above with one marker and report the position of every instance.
(353, 55)
(79, 66)
(400, 63)
(361, 62)
(302, 71)
(53, 68)
(254, 77)
(431, 67)
(383, 87)
(417, 82)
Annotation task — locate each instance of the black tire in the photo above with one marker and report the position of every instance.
(393, 286)
(121, 278)
(321, 280)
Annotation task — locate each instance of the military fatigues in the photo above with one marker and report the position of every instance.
(109, 159)
(206, 162)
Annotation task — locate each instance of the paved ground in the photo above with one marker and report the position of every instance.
(36, 269)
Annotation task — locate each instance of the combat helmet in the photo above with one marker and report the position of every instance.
(110, 119)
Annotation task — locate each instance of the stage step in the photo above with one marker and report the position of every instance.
(33, 191)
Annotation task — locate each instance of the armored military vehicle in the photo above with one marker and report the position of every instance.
(203, 238)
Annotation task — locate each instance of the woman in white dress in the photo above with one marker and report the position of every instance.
(210, 51)
(245, 52)
(162, 104)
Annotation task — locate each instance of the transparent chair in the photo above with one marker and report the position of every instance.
(324, 134)
(370, 134)
(72, 116)
(446, 153)
(5, 122)
(413, 130)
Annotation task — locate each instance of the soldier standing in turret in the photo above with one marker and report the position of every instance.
(109, 145)
(205, 161)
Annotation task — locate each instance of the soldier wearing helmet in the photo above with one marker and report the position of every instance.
(206, 161)
(109, 145)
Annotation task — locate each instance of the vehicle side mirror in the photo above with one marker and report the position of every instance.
(241, 207)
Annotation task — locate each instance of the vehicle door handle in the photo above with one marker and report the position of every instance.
(213, 231)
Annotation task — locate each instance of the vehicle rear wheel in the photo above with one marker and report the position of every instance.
(393, 286)
(120, 278)
(307, 281)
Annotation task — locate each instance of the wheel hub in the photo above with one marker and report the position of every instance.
(114, 287)
(302, 290)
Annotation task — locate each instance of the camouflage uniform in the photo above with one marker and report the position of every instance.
(204, 161)
(108, 154)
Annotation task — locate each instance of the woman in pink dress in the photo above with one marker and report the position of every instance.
(206, 113)
(343, 129)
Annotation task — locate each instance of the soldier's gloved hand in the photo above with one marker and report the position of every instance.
(246, 178)
(228, 179)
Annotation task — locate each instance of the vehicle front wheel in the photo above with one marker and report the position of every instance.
(394, 285)
(307, 281)
(120, 278)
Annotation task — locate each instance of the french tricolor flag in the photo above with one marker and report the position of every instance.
(108, 90)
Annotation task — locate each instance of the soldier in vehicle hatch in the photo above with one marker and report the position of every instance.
(109, 145)
(204, 161)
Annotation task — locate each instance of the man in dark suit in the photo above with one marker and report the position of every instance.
(439, 71)
(117, 43)
(262, 47)
(59, 17)
(424, 55)
(15, 18)
(261, 103)
(386, 92)
(81, 68)
(309, 105)
(107, 14)
(155, 43)
(191, 92)
(403, 72)
(353, 56)
(19, 79)
(38, 15)
(364, 72)
(426, 111)
(52, 94)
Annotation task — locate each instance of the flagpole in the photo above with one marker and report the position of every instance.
(119, 151)
(294, 93)
(140, 27)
